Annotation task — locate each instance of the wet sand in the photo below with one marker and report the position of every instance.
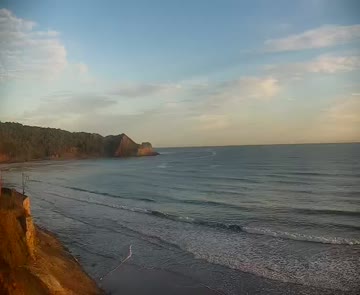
(131, 280)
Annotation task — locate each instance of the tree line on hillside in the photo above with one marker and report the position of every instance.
(23, 143)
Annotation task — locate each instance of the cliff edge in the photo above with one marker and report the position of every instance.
(32, 260)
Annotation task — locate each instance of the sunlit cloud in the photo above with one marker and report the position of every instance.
(346, 112)
(245, 88)
(324, 36)
(324, 64)
(25, 52)
(338, 122)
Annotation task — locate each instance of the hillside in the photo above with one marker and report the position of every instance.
(24, 143)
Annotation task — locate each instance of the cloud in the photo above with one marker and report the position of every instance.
(324, 64)
(64, 104)
(325, 36)
(346, 112)
(197, 107)
(81, 68)
(144, 89)
(245, 88)
(26, 52)
(337, 123)
(222, 104)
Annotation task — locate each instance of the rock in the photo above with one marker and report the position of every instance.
(146, 149)
(127, 147)
(123, 146)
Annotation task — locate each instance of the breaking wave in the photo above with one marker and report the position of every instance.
(231, 227)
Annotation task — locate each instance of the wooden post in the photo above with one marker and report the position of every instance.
(0, 182)
(25, 178)
(23, 183)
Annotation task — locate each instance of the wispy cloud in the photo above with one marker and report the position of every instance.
(324, 36)
(245, 88)
(29, 53)
(324, 64)
(144, 89)
(68, 104)
(340, 121)
(346, 112)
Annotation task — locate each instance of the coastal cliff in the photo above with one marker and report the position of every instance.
(20, 143)
(32, 260)
(123, 146)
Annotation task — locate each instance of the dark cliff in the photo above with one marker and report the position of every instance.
(33, 261)
(24, 143)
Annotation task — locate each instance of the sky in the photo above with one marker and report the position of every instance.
(184, 73)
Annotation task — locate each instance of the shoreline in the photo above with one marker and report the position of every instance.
(51, 267)
(75, 159)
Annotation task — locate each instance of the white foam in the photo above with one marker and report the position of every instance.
(300, 236)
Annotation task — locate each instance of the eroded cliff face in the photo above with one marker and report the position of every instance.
(127, 147)
(32, 261)
(123, 146)
(146, 149)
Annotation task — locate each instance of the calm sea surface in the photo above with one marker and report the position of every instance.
(255, 219)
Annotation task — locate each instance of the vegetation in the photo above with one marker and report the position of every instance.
(23, 143)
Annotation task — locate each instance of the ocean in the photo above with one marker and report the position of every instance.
(280, 219)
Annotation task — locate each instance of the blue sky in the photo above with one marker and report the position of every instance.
(184, 72)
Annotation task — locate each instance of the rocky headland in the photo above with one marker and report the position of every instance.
(19, 143)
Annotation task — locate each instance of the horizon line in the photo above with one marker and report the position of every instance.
(260, 144)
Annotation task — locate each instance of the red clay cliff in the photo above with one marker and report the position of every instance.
(32, 261)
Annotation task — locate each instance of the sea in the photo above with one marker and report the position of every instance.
(276, 219)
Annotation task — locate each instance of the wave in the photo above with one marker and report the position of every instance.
(216, 204)
(225, 226)
(87, 249)
(326, 212)
(169, 199)
(278, 209)
(109, 195)
(321, 174)
(261, 231)
(195, 175)
(300, 237)
(296, 182)
(98, 192)
(125, 230)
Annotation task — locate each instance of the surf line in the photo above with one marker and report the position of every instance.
(111, 271)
